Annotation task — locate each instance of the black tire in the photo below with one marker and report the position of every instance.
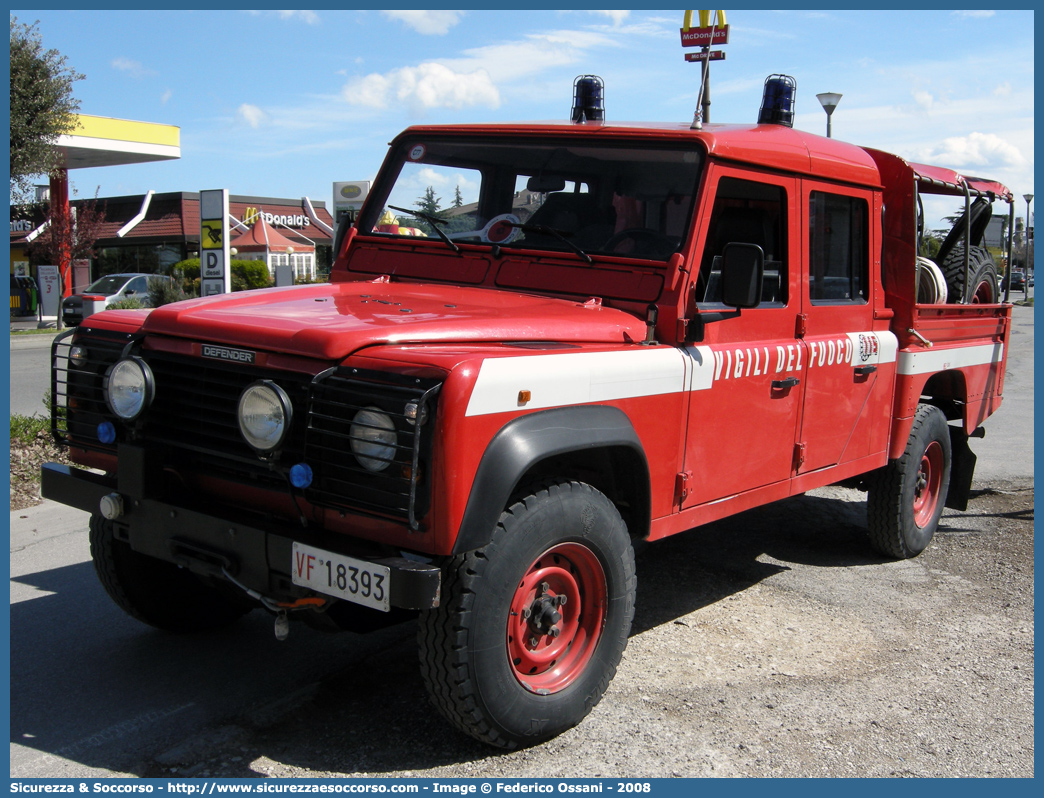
(985, 284)
(981, 213)
(477, 654)
(906, 498)
(156, 592)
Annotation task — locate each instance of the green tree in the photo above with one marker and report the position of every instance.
(42, 107)
(458, 198)
(74, 233)
(429, 203)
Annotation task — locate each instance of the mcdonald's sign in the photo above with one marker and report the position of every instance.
(252, 214)
(708, 33)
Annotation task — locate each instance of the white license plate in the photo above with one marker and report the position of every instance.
(344, 577)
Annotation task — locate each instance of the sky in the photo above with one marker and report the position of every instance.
(284, 103)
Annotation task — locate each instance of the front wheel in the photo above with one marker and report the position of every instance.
(156, 592)
(906, 498)
(532, 626)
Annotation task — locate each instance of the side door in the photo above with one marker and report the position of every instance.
(747, 371)
(138, 288)
(842, 402)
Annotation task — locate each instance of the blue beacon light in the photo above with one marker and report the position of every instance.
(777, 104)
(301, 475)
(106, 432)
(588, 99)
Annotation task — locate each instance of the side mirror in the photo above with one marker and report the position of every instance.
(742, 272)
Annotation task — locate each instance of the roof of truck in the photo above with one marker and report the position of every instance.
(772, 146)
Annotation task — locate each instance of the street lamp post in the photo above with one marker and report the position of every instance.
(1029, 259)
(829, 101)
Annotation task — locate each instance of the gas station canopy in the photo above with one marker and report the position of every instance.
(101, 141)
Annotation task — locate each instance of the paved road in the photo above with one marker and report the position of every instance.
(94, 693)
(30, 373)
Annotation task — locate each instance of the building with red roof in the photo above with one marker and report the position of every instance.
(150, 232)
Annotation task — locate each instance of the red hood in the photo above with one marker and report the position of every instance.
(332, 321)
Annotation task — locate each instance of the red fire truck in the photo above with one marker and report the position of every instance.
(629, 330)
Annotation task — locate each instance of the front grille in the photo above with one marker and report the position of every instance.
(77, 392)
(400, 486)
(197, 401)
(193, 421)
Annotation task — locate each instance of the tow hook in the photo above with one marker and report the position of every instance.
(282, 625)
(543, 614)
(280, 608)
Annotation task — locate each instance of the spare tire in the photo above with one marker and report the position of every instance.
(981, 211)
(983, 270)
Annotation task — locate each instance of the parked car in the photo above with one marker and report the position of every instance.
(1018, 281)
(103, 292)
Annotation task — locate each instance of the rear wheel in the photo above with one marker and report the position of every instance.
(156, 592)
(532, 626)
(907, 496)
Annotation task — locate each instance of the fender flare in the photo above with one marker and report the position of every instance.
(522, 443)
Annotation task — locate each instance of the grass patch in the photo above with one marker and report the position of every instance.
(27, 429)
(44, 331)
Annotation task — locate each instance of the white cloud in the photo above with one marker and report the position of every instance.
(305, 16)
(924, 99)
(1003, 90)
(371, 91)
(309, 17)
(166, 96)
(251, 114)
(535, 53)
(133, 68)
(976, 149)
(426, 86)
(429, 23)
(474, 78)
(616, 16)
(968, 14)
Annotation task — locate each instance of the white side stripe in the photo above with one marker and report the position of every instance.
(573, 379)
(561, 380)
(933, 360)
(701, 367)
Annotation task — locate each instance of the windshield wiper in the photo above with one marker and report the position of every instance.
(434, 221)
(550, 231)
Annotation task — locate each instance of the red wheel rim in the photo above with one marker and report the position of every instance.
(983, 294)
(929, 480)
(547, 655)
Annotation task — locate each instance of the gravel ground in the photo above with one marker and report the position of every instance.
(26, 459)
(774, 643)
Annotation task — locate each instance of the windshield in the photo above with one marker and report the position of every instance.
(625, 198)
(107, 285)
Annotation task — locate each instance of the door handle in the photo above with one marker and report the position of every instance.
(782, 385)
(862, 371)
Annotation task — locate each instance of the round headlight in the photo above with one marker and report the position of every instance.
(264, 415)
(78, 355)
(129, 388)
(373, 439)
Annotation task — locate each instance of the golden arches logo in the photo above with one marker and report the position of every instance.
(705, 19)
(251, 215)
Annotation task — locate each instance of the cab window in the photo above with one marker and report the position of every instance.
(839, 261)
(746, 212)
